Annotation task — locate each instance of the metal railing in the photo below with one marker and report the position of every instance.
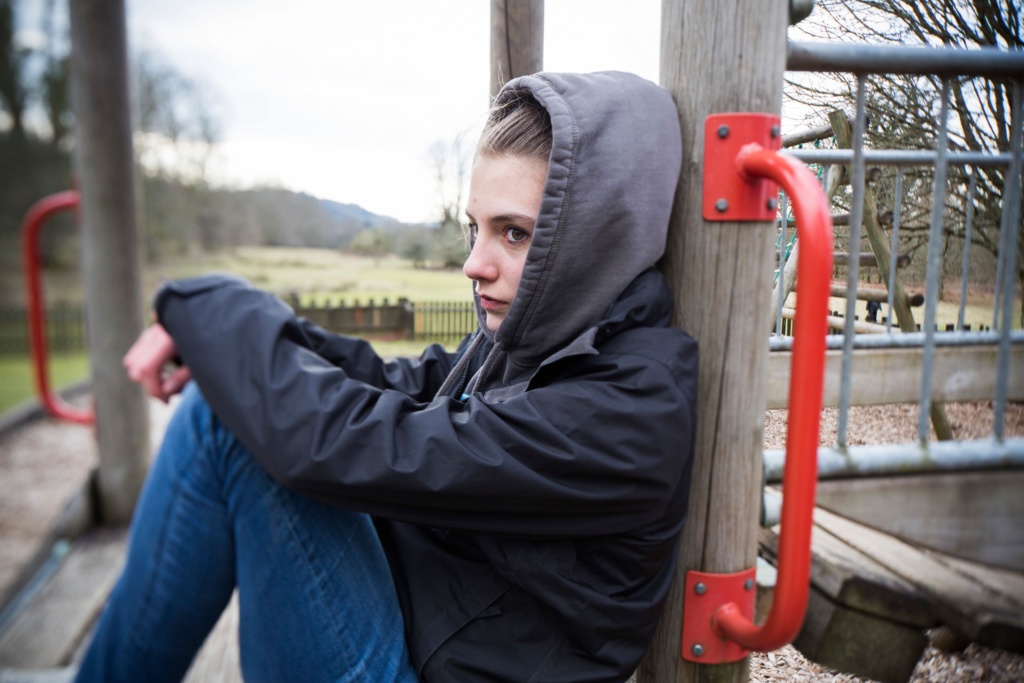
(947, 64)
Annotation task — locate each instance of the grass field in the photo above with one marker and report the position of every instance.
(16, 384)
(319, 274)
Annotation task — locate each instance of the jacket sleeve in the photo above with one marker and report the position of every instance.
(600, 445)
(419, 378)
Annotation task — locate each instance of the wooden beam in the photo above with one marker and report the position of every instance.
(726, 56)
(983, 603)
(105, 169)
(879, 295)
(964, 373)
(973, 515)
(855, 642)
(517, 40)
(841, 258)
(837, 322)
(51, 627)
(810, 135)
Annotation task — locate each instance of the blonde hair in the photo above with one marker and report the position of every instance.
(519, 127)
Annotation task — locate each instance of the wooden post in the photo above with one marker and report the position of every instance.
(105, 175)
(726, 56)
(517, 40)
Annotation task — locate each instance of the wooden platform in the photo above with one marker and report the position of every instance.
(873, 597)
(53, 627)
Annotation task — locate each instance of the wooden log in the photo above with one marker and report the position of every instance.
(855, 579)
(711, 65)
(821, 132)
(861, 617)
(869, 585)
(105, 171)
(984, 604)
(879, 295)
(880, 376)
(836, 322)
(870, 260)
(883, 217)
(972, 515)
(854, 642)
(517, 40)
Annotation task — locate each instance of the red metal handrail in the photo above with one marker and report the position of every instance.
(31, 228)
(814, 273)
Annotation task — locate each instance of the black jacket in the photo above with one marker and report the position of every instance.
(531, 539)
(531, 526)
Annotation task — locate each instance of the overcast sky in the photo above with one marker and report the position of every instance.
(344, 99)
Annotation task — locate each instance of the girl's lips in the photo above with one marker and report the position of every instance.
(490, 304)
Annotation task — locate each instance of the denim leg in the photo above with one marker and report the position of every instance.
(315, 592)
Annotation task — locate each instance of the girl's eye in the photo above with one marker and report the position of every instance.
(473, 231)
(516, 235)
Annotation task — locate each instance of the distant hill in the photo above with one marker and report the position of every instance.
(355, 214)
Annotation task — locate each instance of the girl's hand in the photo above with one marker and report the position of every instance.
(149, 362)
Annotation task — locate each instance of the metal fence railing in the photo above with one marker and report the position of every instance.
(992, 353)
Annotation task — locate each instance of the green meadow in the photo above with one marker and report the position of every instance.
(317, 275)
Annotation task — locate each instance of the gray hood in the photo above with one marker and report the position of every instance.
(604, 216)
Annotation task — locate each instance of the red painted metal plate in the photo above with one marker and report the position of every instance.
(729, 194)
(705, 593)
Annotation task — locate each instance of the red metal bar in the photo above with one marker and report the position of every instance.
(31, 228)
(814, 273)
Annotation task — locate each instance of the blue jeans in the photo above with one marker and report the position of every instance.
(316, 597)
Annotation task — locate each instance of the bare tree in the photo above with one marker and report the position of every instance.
(451, 163)
(176, 117)
(13, 58)
(903, 110)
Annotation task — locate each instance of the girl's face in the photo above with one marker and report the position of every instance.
(504, 201)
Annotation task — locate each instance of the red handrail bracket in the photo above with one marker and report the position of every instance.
(31, 229)
(705, 593)
(729, 193)
(739, 168)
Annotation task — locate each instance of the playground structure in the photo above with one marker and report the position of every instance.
(725, 253)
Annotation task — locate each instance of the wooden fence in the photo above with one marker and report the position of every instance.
(442, 321)
(65, 329)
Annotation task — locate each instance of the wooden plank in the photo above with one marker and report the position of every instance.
(962, 599)
(75, 519)
(47, 632)
(973, 515)
(855, 642)
(879, 376)
(853, 579)
(879, 295)
(52, 629)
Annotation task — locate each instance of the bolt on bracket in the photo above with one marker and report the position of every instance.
(705, 593)
(729, 193)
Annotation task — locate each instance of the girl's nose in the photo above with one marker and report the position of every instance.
(480, 264)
